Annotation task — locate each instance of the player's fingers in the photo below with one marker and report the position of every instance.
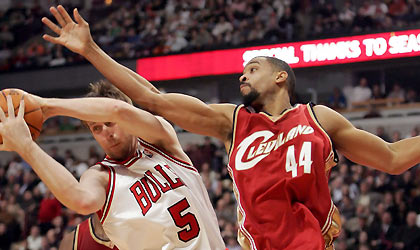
(54, 27)
(79, 19)
(21, 111)
(58, 16)
(10, 107)
(64, 14)
(2, 115)
(51, 39)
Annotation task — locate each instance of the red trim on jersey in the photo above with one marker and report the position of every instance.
(102, 214)
(127, 162)
(168, 156)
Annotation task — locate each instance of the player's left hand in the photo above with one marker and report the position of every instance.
(73, 35)
(13, 129)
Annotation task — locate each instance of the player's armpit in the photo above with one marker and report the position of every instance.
(67, 241)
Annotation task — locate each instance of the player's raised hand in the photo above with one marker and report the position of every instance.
(73, 35)
(13, 129)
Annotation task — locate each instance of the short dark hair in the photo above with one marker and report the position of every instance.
(280, 65)
(104, 88)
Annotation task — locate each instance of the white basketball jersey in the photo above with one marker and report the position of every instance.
(155, 201)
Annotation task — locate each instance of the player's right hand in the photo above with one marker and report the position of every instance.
(13, 129)
(73, 35)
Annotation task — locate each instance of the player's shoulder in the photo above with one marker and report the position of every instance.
(225, 108)
(96, 171)
(324, 112)
(329, 119)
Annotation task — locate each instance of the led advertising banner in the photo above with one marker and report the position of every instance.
(298, 54)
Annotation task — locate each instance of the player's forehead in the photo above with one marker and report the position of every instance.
(255, 61)
(92, 124)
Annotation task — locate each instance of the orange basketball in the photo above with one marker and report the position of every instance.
(33, 113)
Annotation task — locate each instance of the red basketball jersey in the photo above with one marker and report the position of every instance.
(86, 239)
(279, 169)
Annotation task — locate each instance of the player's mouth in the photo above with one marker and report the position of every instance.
(243, 85)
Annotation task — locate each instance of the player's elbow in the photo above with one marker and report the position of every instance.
(393, 166)
(396, 169)
(120, 110)
(396, 165)
(86, 206)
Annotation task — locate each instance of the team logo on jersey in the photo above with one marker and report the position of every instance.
(147, 153)
(266, 146)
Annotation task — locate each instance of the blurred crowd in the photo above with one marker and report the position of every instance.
(134, 29)
(378, 211)
(368, 95)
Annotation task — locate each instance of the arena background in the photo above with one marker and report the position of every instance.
(378, 211)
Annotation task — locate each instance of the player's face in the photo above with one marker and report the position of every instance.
(114, 141)
(257, 78)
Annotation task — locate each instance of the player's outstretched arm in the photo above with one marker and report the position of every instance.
(132, 120)
(185, 111)
(84, 197)
(367, 149)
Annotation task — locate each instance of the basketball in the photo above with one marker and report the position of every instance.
(33, 113)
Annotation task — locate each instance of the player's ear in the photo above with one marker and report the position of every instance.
(281, 77)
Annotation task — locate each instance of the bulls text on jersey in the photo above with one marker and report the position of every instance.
(149, 189)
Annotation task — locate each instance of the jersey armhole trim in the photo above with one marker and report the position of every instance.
(96, 238)
(75, 237)
(102, 214)
(313, 115)
(235, 119)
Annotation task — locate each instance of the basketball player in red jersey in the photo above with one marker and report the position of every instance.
(279, 155)
(89, 234)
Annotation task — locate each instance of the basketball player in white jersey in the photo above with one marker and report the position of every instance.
(145, 192)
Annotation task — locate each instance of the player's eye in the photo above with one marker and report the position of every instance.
(109, 124)
(96, 129)
(252, 70)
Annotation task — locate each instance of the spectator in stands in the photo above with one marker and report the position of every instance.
(379, 12)
(347, 14)
(362, 92)
(408, 236)
(337, 99)
(397, 92)
(381, 232)
(34, 240)
(49, 208)
(397, 8)
(377, 92)
(412, 96)
(287, 24)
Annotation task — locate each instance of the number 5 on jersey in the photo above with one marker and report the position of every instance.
(305, 159)
(182, 221)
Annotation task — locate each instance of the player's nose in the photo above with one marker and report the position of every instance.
(242, 78)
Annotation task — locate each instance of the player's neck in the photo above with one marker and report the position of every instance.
(277, 105)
